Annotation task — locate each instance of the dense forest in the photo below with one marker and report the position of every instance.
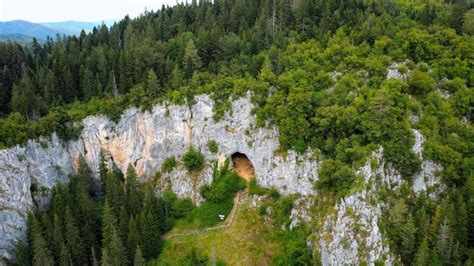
(317, 70)
(117, 220)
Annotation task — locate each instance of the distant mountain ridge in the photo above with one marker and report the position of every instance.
(25, 31)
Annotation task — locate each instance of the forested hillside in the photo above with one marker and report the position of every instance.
(340, 77)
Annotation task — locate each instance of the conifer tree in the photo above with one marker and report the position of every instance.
(191, 59)
(42, 256)
(109, 224)
(133, 196)
(408, 240)
(113, 253)
(133, 236)
(152, 84)
(58, 239)
(73, 238)
(150, 235)
(422, 256)
(123, 223)
(138, 258)
(64, 256)
(22, 253)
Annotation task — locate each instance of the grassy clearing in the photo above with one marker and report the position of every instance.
(248, 241)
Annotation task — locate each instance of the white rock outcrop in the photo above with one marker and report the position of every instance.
(426, 178)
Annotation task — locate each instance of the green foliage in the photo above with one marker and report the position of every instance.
(168, 164)
(295, 248)
(82, 222)
(335, 177)
(318, 73)
(255, 189)
(468, 24)
(193, 160)
(192, 258)
(213, 146)
(420, 83)
(224, 185)
(219, 198)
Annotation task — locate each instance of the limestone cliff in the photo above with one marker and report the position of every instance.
(146, 139)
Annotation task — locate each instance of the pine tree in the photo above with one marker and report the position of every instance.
(444, 242)
(109, 224)
(138, 258)
(73, 238)
(22, 252)
(106, 259)
(102, 171)
(123, 223)
(64, 256)
(152, 84)
(422, 256)
(41, 255)
(58, 239)
(132, 186)
(113, 253)
(266, 73)
(177, 77)
(191, 59)
(150, 235)
(133, 236)
(408, 240)
(470, 223)
(24, 99)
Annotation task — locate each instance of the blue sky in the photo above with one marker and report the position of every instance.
(79, 10)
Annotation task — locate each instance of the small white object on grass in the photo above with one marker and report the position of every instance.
(221, 216)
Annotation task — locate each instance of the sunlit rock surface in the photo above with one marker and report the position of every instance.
(146, 139)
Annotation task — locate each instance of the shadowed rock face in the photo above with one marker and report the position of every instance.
(243, 166)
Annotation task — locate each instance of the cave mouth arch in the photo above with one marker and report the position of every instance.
(243, 166)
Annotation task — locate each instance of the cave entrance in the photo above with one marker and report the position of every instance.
(243, 166)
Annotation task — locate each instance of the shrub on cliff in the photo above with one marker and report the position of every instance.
(193, 160)
(168, 165)
(335, 177)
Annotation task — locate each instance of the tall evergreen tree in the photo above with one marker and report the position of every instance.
(152, 84)
(138, 258)
(74, 241)
(191, 59)
(42, 256)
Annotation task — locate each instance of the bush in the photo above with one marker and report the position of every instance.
(335, 177)
(420, 83)
(182, 208)
(168, 165)
(213, 146)
(282, 210)
(193, 160)
(223, 187)
(295, 250)
(255, 189)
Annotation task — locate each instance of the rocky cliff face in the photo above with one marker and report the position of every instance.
(146, 139)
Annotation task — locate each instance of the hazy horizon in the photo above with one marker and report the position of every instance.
(76, 10)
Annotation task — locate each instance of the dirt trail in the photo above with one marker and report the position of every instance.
(228, 221)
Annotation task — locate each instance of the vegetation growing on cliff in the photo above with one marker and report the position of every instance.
(318, 70)
(193, 160)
